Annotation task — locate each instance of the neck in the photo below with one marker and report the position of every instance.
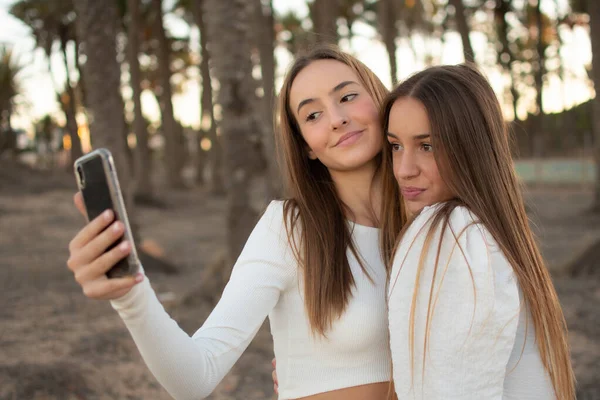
(360, 190)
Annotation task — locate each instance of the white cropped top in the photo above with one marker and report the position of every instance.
(266, 281)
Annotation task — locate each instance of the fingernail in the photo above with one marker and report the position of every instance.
(124, 246)
(107, 215)
(139, 277)
(117, 227)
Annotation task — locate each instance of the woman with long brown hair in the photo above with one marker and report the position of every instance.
(473, 313)
(313, 263)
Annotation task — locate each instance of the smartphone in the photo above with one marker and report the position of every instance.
(97, 180)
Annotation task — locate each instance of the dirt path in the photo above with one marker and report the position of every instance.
(56, 344)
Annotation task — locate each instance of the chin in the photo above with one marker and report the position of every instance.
(415, 207)
(358, 159)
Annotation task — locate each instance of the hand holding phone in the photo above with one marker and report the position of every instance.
(98, 183)
(89, 259)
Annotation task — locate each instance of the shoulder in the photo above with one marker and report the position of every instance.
(452, 235)
(268, 248)
(272, 216)
(453, 223)
(278, 217)
(271, 224)
(459, 216)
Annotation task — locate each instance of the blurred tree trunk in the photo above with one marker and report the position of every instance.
(506, 56)
(387, 13)
(594, 12)
(173, 147)
(229, 24)
(80, 84)
(143, 180)
(208, 125)
(97, 29)
(538, 135)
(264, 34)
(324, 14)
(463, 29)
(69, 100)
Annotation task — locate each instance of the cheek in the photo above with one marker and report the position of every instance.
(396, 165)
(367, 110)
(313, 137)
(436, 178)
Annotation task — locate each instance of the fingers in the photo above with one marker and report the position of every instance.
(96, 248)
(97, 267)
(90, 261)
(108, 289)
(91, 230)
(274, 376)
(78, 200)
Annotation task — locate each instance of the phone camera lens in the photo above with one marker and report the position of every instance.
(81, 176)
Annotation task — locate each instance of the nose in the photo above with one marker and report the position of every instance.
(405, 166)
(338, 117)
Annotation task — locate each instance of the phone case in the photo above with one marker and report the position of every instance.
(97, 180)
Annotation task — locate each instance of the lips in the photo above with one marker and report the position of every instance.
(411, 193)
(348, 138)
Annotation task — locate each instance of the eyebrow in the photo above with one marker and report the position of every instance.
(337, 88)
(418, 137)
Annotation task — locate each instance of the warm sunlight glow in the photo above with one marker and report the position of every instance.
(205, 144)
(132, 141)
(66, 141)
(83, 132)
(205, 125)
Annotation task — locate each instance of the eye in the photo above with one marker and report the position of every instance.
(312, 116)
(396, 147)
(349, 97)
(427, 147)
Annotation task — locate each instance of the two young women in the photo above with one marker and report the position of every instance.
(472, 310)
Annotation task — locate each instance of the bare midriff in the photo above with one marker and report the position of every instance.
(372, 391)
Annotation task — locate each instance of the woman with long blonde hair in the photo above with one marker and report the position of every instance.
(313, 264)
(473, 313)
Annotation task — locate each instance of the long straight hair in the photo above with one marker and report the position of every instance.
(472, 151)
(315, 216)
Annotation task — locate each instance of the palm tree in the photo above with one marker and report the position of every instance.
(209, 124)
(9, 90)
(228, 31)
(296, 37)
(388, 13)
(539, 79)
(97, 28)
(394, 20)
(593, 7)
(264, 40)
(506, 54)
(192, 12)
(142, 152)
(351, 11)
(463, 29)
(324, 14)
(171, 129)
(52, 21)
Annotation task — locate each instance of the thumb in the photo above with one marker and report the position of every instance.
(78, 200)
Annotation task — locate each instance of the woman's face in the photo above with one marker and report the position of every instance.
(415, 168)
(337, 117)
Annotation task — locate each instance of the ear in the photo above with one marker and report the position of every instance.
(311, 154)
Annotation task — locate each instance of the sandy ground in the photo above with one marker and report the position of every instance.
(56, 344)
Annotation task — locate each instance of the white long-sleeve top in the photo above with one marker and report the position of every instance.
(266, 281)
(478, 346)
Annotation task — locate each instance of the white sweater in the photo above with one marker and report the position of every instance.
(266, 281)
(478, 346)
